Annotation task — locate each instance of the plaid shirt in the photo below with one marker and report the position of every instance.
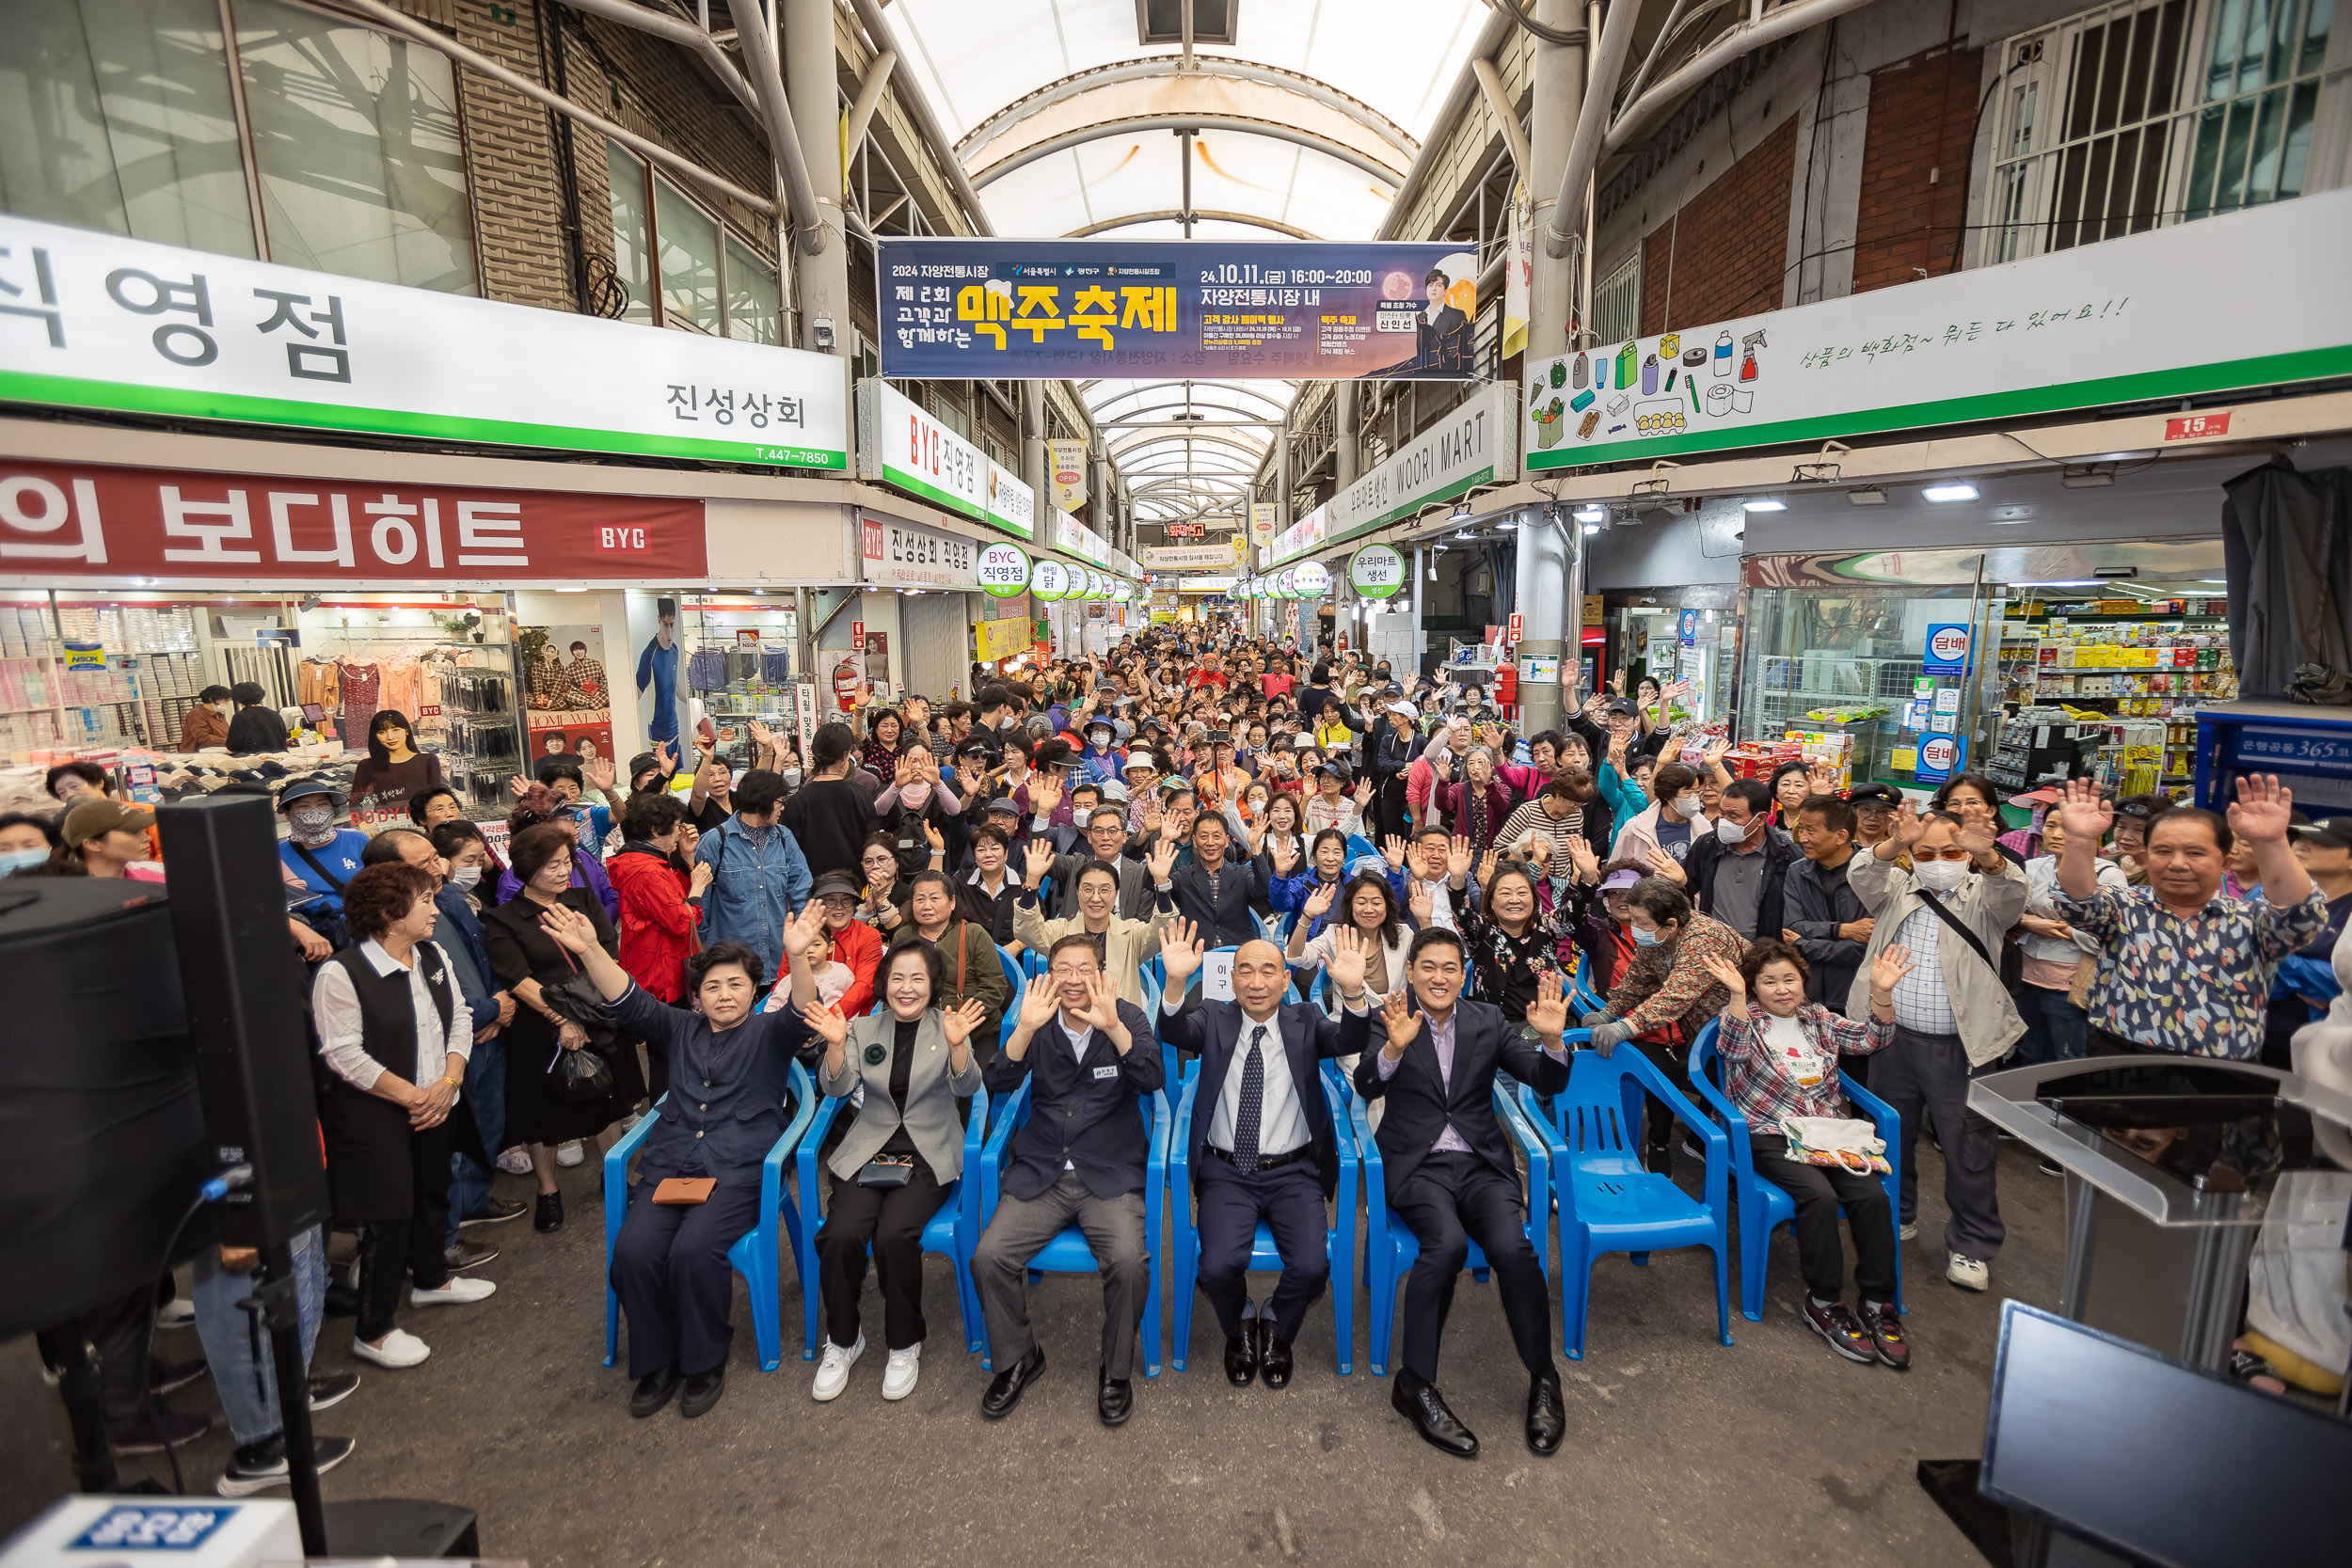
(1757, 1080)
(2198, 987)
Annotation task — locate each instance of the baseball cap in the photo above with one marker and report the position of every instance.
(1874, 793)
(1623, 876)
(1004, 803)
(2139, 810)
(1112, 790)
(92, 818)
(1337, 769)
(2336, 831)
(1623, 708)
(1408, 710)
(834, 881)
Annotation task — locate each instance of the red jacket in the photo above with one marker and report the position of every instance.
(859, 946)
(657, 922)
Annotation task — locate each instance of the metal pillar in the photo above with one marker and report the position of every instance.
(1033, 464)
(1546, 564)
(1559, 99)
(821, 271)
(1420, 593)
(1346, 452)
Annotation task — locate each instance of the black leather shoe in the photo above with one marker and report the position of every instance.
(1422, 1404)
(1004, 1389)
(702, 1391)
(1241, 1355)
(548, 1216)
(1274, 1358)
(653, 1391)
(1547, 1415)
(1114, 1398)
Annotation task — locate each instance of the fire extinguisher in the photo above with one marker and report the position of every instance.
(1507, 689)
(846, 681)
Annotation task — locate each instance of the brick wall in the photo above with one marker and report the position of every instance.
(1914, 166)
(1724, 253)
(509, 160)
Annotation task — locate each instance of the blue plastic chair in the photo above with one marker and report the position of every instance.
(1018, 981)
(1606, 1201)
(1068, 1252)
(1584, 997)
(1339, 1237)
(1391, 1248)
(951, 1234)
(754, 1255)
(1766, 1206)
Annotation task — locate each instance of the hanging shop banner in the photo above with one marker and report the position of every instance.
(1079, 540)
(995, 640)
(1188, 558)
(1068, 460)
(63, 520)
(1476, 444)
(907, 555)
(2089, 327)
(900, 444)
(97, 321)
(1377, 571)
(1519, 272)
(1262, 518)
(1003, 570)
(953, 307)
(1049, 579)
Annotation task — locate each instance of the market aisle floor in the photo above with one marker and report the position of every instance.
(1679, 1450)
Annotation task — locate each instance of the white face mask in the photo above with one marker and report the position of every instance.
(464, 876)
(1730, 831)
(1689, 804)
(1941, 875)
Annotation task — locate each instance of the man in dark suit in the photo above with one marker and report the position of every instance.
(1214, 893)
(1261, 1145)
(1081, 1156)
(1450, 1178)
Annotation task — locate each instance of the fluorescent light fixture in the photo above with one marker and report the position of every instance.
(1508, 525)
(1592, 527)
(1957, 491)
(2061, 582)
(1592, 514)
(1768, 504)
(2215, 582)
(1868, 496)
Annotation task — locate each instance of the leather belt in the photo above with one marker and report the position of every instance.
(1266, 1162)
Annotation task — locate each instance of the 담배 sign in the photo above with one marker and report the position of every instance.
(1939, 757)
(1946, 650)
(956, 308)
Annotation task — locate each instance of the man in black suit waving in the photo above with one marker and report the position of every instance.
(1262, 1140)
(1082, 1156)
(1450, 1178)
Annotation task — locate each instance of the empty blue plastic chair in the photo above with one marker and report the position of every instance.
(754, 1255)
(952, 1232)
(1764, 1206)
(1607, 1202)
(1068, 1252)
(1339, 1237)
(1390, 1245)
(1585, 997)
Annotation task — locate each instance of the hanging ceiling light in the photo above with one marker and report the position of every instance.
(1461, 510)
(1764, 503)
(1958, 490)
(1592, 514)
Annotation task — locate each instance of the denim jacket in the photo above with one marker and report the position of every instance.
(755, 887)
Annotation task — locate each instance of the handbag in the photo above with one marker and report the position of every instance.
(581, 1074)
(1849, 1145)
(886, 1170)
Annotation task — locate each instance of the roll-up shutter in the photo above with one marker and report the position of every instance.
(935, 632)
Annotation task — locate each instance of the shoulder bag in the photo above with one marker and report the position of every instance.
(1948, 918)
(581, 1074)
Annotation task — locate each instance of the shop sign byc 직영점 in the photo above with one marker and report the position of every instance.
(60, 521)
(900, 444)
(101, 322)
(2089, 327)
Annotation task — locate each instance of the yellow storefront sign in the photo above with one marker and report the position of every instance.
(995, 640)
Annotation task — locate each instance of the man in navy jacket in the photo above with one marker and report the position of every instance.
(1081, 1156)
(1450, 1176)
(1262, 1143)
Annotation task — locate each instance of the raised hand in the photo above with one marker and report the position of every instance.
(902, 772)
(1459, 857)
(1663, 865)
(1038, 857)
(1486, 869)
(1160, 863)
(1152, 816)
(519, 786)
(1045, 794)
(937, 840)
(1257, 839)
(687, 837)
(1712, 752)
(1548, 1015)
(1908, 828)
(599, 775)
(1350, 955)
(1403, 1024)
(1392, 847)
(1889, 967)
(1181, 948)
(1821, 778)
(1319, 901)
(805, 932)
(1101, 1010)
(2262, 811)
(1977, 836)
(827, 1020)
(1616, 751)
(1617, 682)
(1285, 858)
(1363, 795)
(958, 1022)
(1538, 850)
(1039, 1004)
(1581, 855)
(1729, 977)
(1418, 901)
(571, 929)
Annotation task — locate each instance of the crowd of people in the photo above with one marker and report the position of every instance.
(690, 931)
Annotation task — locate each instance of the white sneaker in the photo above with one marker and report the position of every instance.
(570, 1154)
(400, 1349)
(901, 1370)
(515, 1161)
(456, 1291)
(1908, 1234)
(179, 1312)
(1967, 1273)
(832, 1372)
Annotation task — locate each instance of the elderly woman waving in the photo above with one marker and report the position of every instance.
(891, 1171)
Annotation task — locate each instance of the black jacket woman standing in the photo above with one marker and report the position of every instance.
(389, 1018)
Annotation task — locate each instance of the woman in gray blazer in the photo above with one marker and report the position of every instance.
(892, 1168)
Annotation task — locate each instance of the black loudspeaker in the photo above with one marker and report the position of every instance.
(102, 1134)
(242, 980)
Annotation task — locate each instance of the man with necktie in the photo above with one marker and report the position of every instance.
(1450, 1178)
(1261, 1143)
